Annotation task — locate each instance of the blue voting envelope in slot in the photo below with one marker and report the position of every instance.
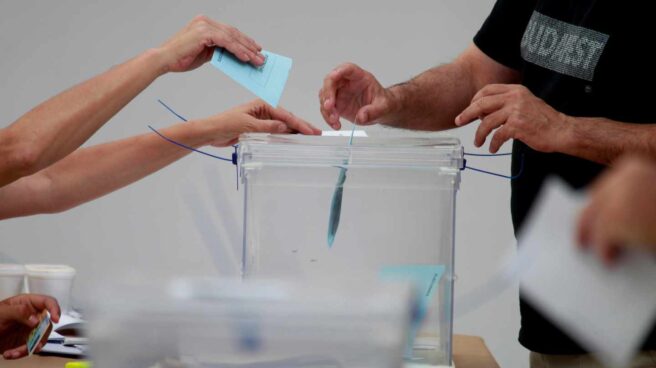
(266, 82)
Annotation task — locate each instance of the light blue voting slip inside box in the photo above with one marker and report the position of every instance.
(266, 82)
(425, 279)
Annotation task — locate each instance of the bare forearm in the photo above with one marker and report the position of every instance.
(432, 100)
(89, 173)
(92, 172)
(60, 125)
(603, 140)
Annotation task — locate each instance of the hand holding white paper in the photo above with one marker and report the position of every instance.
(607, 310)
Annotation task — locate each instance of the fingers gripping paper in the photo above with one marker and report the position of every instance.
(607, 310)
(266, 82)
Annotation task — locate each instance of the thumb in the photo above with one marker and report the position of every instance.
(21, 313)
(368, 114)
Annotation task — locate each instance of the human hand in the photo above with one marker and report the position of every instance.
(513, 112)
(254, 117)
(193, 46)
(18, 317)
(622, 210)
(354, 94)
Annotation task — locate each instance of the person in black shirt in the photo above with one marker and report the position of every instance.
(568, 80)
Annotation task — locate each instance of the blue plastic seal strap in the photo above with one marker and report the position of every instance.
(233, 159)
(509, 177)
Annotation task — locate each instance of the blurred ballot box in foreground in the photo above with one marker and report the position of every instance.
(212, 323)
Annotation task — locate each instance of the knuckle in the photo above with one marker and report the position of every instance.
(200, 18)
(250, 127)
(228, 38)
(232, 31)
(482, 103)
(524, 92)
(23, 309)
(516, 94)
(202, 28)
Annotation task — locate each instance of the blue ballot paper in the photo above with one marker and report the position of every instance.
(266, 82)
(425, 278)
(336, 206)
(336, 203)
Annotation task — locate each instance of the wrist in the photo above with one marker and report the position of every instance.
(568, 139)
(394, 96)
(203, 131)
(157, 57)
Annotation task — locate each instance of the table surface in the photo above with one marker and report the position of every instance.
(468, 352)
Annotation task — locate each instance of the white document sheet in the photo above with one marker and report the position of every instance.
(607, 310)
(344, 133)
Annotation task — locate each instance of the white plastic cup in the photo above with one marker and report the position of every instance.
(12, 279)
(52, 280)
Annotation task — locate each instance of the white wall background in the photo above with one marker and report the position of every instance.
(148, 230)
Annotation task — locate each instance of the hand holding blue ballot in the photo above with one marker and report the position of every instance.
(266, 81)
(193, 46)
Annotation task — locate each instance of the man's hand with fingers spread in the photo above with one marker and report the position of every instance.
(193, 46)
(354, 94)
(19, 315)
(513, 112)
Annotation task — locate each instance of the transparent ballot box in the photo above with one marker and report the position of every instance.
(322, 210)
(219, 324)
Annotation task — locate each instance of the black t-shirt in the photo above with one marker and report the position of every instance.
(585, 58)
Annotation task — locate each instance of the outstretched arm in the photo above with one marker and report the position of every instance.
(92, 172)
(431, 101)
(60, 125)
